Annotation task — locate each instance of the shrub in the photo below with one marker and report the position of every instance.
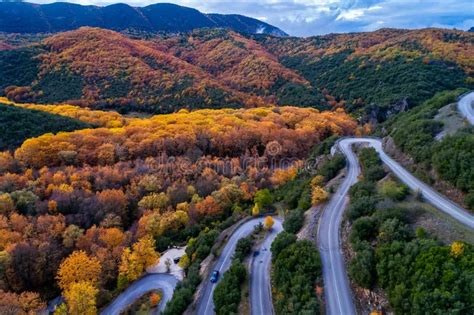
(296, 269)
(330, 168)
(364, 228)
(294, 221)
(228, 293)
(362, 189)
(392, 190)
(469, 200)
(282, 241)
(362, 268)
(363, 206)
(243, 248)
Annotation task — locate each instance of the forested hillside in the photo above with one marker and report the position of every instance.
(418, 273)
(372, 75)
(103, 201)
(379, 73)
(415, 131)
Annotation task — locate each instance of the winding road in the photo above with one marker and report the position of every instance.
(165, 282)
(465, 106)
(336, 284)
(259, 276)
(260, 284)
(337, 290)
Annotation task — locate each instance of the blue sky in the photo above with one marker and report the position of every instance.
(314, 17)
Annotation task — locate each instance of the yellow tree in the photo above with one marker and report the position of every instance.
(81, 298)
(136, 260)
(317, 180)
(457, 249)
(6, 204)
(78, 267)
(256, 210)
(154, 202)
(318, 195)
(184, 261)
(269, 222)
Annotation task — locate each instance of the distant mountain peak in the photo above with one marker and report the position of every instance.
(24, 17)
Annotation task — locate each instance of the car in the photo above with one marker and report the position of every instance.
(176, 260)
(255, 253)
(215, 276)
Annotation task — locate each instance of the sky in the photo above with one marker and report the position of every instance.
(315, 17)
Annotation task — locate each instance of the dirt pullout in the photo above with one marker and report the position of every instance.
(309, 231)
(436, 223)
(451, 119)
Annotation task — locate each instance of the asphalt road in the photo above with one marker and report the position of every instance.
(205, 305)
(465, 106)
(260, 284)
(336, 284)
(165, 282)
(337, 290)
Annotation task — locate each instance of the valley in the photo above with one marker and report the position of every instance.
(328, 174)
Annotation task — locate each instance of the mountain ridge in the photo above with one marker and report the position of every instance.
(371, 75)
(25, 17)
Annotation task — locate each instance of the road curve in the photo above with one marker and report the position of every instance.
(337, 290)
(205, 305)
(336, 284)
(153, 281)
(260, 285)
(465, 106)
(433, 197)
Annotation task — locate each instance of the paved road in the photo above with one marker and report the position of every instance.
(165, 282)
(260, 284)
(336, 284)
(337, 289)
(206, 304)
(429, 194)
(465, 106)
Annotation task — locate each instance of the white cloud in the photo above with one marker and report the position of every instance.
(356, 14)
(351, 15)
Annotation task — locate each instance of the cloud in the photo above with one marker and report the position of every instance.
(313, 17)
(356, 14)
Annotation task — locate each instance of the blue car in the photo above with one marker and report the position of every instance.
(214, 276)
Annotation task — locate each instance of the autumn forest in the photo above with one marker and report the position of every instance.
(115, 146)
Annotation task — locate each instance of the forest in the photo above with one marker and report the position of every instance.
(373, 75)
(85, 212)
(419, 273)
(18, 124)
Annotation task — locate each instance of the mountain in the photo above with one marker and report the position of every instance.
(372, 75)
(23, 17)
(379, 73)
(102, 68)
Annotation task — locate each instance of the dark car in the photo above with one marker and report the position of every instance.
(176, 260)
(214, 276)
